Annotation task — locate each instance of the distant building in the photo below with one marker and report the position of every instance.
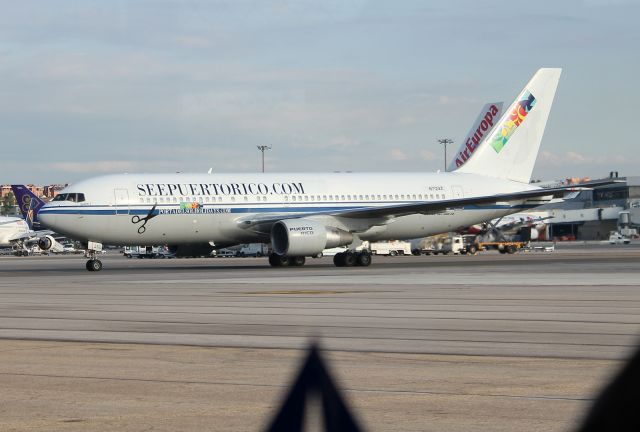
(5, 190)
(594, 213)
(47, 192)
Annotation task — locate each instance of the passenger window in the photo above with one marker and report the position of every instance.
(80, 197)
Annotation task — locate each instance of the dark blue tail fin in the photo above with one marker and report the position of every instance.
(28, 202)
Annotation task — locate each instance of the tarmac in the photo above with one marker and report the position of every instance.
(489, 342)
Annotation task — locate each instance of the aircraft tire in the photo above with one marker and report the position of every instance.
(94, 265)
(349, 259)
(363, 259)
(338, 259)
(297, 261)
(274, 260)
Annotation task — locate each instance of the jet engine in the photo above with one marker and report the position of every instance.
(305, 237)
(45, 243)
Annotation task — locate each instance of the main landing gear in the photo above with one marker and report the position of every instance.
(342, 259)
(350, 259)
(285, 261)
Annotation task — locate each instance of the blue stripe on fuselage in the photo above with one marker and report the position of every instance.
(228, 208)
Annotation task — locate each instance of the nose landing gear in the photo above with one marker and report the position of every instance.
(94, 264)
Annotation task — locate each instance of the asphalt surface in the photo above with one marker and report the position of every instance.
(488, 342)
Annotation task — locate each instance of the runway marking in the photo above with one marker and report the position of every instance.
(350, 390)
(420, 279)
(304, 292)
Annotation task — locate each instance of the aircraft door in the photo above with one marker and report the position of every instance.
(456, 191)
(122, 201)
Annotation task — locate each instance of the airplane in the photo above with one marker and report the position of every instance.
(21, 233)
(511, 222)
(303, 214)
(12, 230)
(29, 205)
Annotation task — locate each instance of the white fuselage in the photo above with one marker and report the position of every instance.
(11, 228)
(201, 208)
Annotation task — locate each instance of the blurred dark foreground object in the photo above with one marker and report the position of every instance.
(617, 409)
(313, 383)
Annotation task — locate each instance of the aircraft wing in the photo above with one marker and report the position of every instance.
(31, 236)
(531, 197)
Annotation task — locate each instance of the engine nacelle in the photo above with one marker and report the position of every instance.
(305, 237)
(45, 243)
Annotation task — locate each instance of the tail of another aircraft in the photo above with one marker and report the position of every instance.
(489, 115)
(28, 202)
(510, 149)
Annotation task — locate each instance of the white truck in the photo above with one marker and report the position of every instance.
(252, 250)
(617, 238)
(390, 248)
(146, 252)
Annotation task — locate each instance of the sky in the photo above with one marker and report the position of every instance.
(95, 87)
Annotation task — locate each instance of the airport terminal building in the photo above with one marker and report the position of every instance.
(594, 213)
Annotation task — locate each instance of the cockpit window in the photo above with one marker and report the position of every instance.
(73, 197)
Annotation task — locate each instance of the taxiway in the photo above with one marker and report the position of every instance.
(487, 342)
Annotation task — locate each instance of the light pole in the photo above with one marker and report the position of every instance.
(444, 142)
(262, 148)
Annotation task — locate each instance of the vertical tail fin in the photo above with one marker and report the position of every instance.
(483, 125)
(511, 149)
(28, 202)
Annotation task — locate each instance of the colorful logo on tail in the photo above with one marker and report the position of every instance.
(504, 131)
